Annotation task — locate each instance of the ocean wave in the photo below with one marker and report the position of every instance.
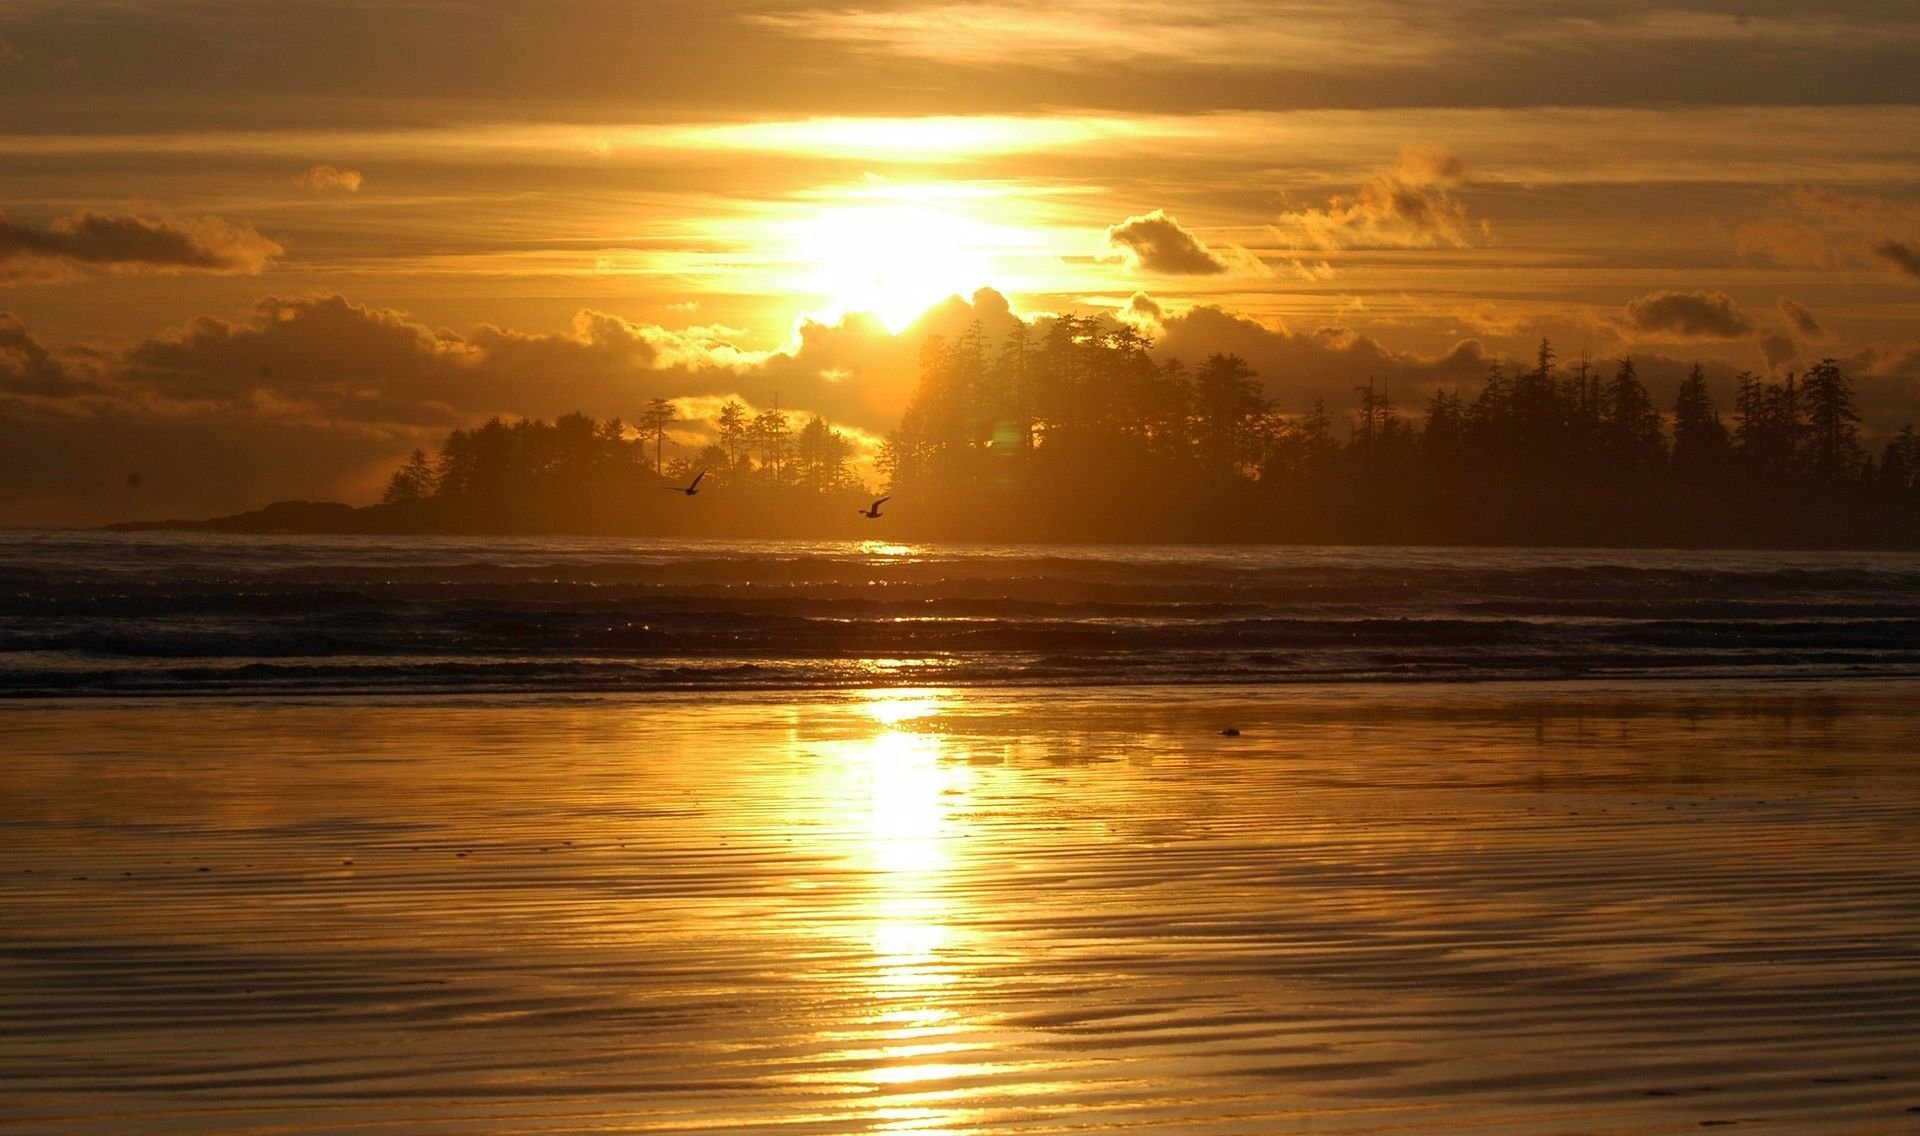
(126, 613)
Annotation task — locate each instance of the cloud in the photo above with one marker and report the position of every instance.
(1687, 315)
(319, 397)
(1408, 206)
(1296, 368)
(1157, 242)
(26, 366)
(1486, 319)
(1784, 243)
(126, 243)
(1835, 205)
(1778, 350)
(1903, 255)
(331, 177)
(1800, 318)
(1143, 313)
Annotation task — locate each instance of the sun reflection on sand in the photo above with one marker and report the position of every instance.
(911, 854)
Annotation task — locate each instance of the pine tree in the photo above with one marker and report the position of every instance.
(1832, 449)
(1632, 423)
(412, 481)
(1699, 440)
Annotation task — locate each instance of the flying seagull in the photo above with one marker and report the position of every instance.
(872, 513)
(692, 486)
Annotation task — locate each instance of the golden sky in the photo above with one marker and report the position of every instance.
(252, 250)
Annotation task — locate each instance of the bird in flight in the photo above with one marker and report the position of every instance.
(872, 513)
(692, 486)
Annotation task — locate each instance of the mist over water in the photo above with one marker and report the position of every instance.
(171, 613)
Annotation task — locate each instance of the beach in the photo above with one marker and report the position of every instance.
(1493, 907)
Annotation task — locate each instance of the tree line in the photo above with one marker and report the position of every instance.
(532, 459)
(1075, 431)
(1087, 394)
(1085, 414)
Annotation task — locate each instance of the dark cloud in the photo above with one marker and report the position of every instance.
(1408, 206)
(1886, 384)
(1688, 315)
(319, 397)
(1904, 256)
(1157, 242)
(1800, 318)
(1325, 363)
(26, 367)
(233, 64)
(331, 177)
(136, 244)
(1778, 350)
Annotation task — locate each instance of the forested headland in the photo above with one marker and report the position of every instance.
(1079, 433)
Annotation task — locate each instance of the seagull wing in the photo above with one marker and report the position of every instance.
(881, 502)
(696, 479)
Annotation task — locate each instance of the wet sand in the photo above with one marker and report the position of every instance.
(1567, 909)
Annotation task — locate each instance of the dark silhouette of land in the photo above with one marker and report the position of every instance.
(1079, 434)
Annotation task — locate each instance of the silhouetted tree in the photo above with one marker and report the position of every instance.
(654, 421)
(1833, 438)
(733, 425)
(1633, 439)
(1900, 462)
(821, 454)
(1700, 444)
(772, 436)
(412, 481)
(1228, 407)
(1444, 432)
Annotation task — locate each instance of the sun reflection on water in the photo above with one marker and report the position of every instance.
(915, 1054)
(886, 549)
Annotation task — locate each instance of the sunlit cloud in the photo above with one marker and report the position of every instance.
(1409, 205)
(1538, 146)
(919, 140)
(1080, 34)
(1143, 313)
(1157, 242)
(323, 176)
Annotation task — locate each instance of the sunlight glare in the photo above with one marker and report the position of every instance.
(894, 260)
(892, 707)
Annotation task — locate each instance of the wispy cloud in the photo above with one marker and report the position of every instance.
(1409, 206)
(1902, 255)
(325, 177)
(1800, 318)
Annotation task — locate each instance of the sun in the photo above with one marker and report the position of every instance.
(894, 259)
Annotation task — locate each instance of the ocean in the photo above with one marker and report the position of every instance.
(380, 837)
(168, 613)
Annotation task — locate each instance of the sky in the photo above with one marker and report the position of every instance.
(257, 250)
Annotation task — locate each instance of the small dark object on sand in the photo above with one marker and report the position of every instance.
(1229, 732)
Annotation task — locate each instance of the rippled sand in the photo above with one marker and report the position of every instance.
(1416, 910)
